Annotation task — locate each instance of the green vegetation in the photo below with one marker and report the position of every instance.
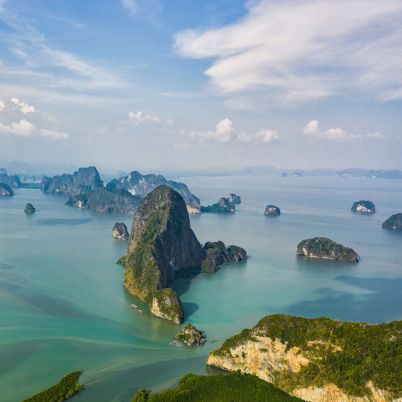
(321, 247)
(232, 387)
(347, 354)
(65, 389)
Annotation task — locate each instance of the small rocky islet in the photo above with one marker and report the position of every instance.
(120, 231)
(394, 222)
(190, 336)
(161, 245)
(272, 210)
(29, 209)
(363, 207)
(326, 249)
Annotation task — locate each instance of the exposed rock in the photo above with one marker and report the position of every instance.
(5, 190)
(216, 254)
(103, 201)
(12, 181)
(191, 336)
(161, 244)
(319, 360)
(323, 248)
(29, 209)
(363, 207)
(223, 206)
(120, 231)
(140, 185)
(272, 210)
(85, 180)
(394, 222)
(234, 199)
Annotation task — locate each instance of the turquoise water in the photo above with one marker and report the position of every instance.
(63, 306)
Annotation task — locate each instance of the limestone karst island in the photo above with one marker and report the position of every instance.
(200, 201)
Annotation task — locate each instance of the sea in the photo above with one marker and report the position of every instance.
(63, 306)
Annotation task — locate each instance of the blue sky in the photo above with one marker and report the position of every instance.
(153, 85)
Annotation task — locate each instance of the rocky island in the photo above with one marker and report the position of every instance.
(363, 207)
(319, 360)
(190, 336)
(12, 181)
(140, 185)
(223, 206)
(120, 231)
(235, 199)
(327, 249)
(394, 222)
(5, 191)
(161, 245)
(272, 210)
(29, 209)
(217, 254)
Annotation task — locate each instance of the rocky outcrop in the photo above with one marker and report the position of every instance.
(29, 209)
(217, 254)
(272, 210)
(363, 207)
(5, 191)
(319, 360)
(327, 249)
(84, 180)
(223, 206)
(161, 244)
(103, 201)
(234, 199)
(12, 181)
(120, 231)
(190, 336)
(394, 222)
(140, 185)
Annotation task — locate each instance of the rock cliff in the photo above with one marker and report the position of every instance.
(161, 244)
(140, 185)
(327, 249)
(120, 231)
(84, 180)
(5, 190)
(319, 360)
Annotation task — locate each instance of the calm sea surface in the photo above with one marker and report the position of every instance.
(63, 306)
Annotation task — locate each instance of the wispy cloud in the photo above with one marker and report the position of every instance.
(141, 118)
(13, 122)
(130, 5)
(226, 132)
(294, 50)
(312, 129)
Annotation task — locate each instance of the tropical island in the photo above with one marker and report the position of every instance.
(326, 249)
(223, 206)
(318, 359)
(363, 207)
(161, 245)
(272, 210)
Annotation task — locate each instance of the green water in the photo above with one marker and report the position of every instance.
(63, 306)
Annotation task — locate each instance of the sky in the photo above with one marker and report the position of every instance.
(194, 85)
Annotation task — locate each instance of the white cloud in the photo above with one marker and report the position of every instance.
(312, 129)
(24, 107)
(2, 105)
(296, 50)
(225, 132)
(140, 118)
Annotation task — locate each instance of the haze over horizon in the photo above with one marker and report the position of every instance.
(157, 85)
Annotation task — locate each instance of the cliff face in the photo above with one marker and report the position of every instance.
(84, 180)
(161, 243)
(5, 190)
(140, 185)
(319, 360)
(12, 181)
(323, 248)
